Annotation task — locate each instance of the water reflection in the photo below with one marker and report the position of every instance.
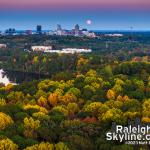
(7, 77)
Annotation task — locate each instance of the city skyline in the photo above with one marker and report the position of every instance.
(105, 15)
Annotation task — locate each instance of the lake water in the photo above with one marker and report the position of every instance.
(7, 77)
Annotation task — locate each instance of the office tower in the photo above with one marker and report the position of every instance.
(10, 31)
(59, 27)
(39, 29)
(28, 32)
(77, 27)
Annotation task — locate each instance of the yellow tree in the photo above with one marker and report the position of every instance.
(110, 94)
(72, 109)
(41, 146)
(37, 107)
(61, 108)
(93, 108)
(119, 98)
(122, 98)
(44, 60)
(5, 120)
(91, 73)
(81, 62)
(146, 112)
(48, 146)
(9, 87)
(2, 102)
(68, 98)
(40, 115)
(53, 99)
(131, 115)
(35, 60)
(7, 144)
(114, 104)
(42, 101)
(112, 115)
(31, 126)
(61, 146)
(125, 98)
(70, 123)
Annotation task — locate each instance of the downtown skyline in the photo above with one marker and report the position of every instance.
(105, 15)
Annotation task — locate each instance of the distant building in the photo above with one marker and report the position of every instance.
(52, 51)
(137, 59)
(141, 59)
(59, 27)
(91, 35)
(85, 32)
(10, 31)
(41, 48)
(48, 49)
(77, 29)
(75, 50)
(59, 30)
(28, 32)
(69, 51)
(39, 29)
(98, 34)
(114, 35)
(3, 46)
(51, 32)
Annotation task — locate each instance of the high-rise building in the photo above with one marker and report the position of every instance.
(10, 31)
(39, 29)
(77, 27)
(59, 30)
(59, 27)
(28, 32)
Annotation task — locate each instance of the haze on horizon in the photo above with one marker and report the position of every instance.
(105, 14)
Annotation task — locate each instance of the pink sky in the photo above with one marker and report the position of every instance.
(74, 3)
(105, 14)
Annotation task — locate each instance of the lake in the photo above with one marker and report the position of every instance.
(12, 77)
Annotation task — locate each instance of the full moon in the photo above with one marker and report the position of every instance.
(89, 22)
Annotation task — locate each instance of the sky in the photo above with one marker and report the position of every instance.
(104, 14)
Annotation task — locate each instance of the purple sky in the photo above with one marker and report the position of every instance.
(73, 3)
(105, 14)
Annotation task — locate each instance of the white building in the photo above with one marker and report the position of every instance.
(75, 50)
(91, 35)
(41, 48)
(3, 45)
(114, 35)
(69, 51)
(52, 51)
(48, 49)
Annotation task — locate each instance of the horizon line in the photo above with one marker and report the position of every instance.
(117, 30)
